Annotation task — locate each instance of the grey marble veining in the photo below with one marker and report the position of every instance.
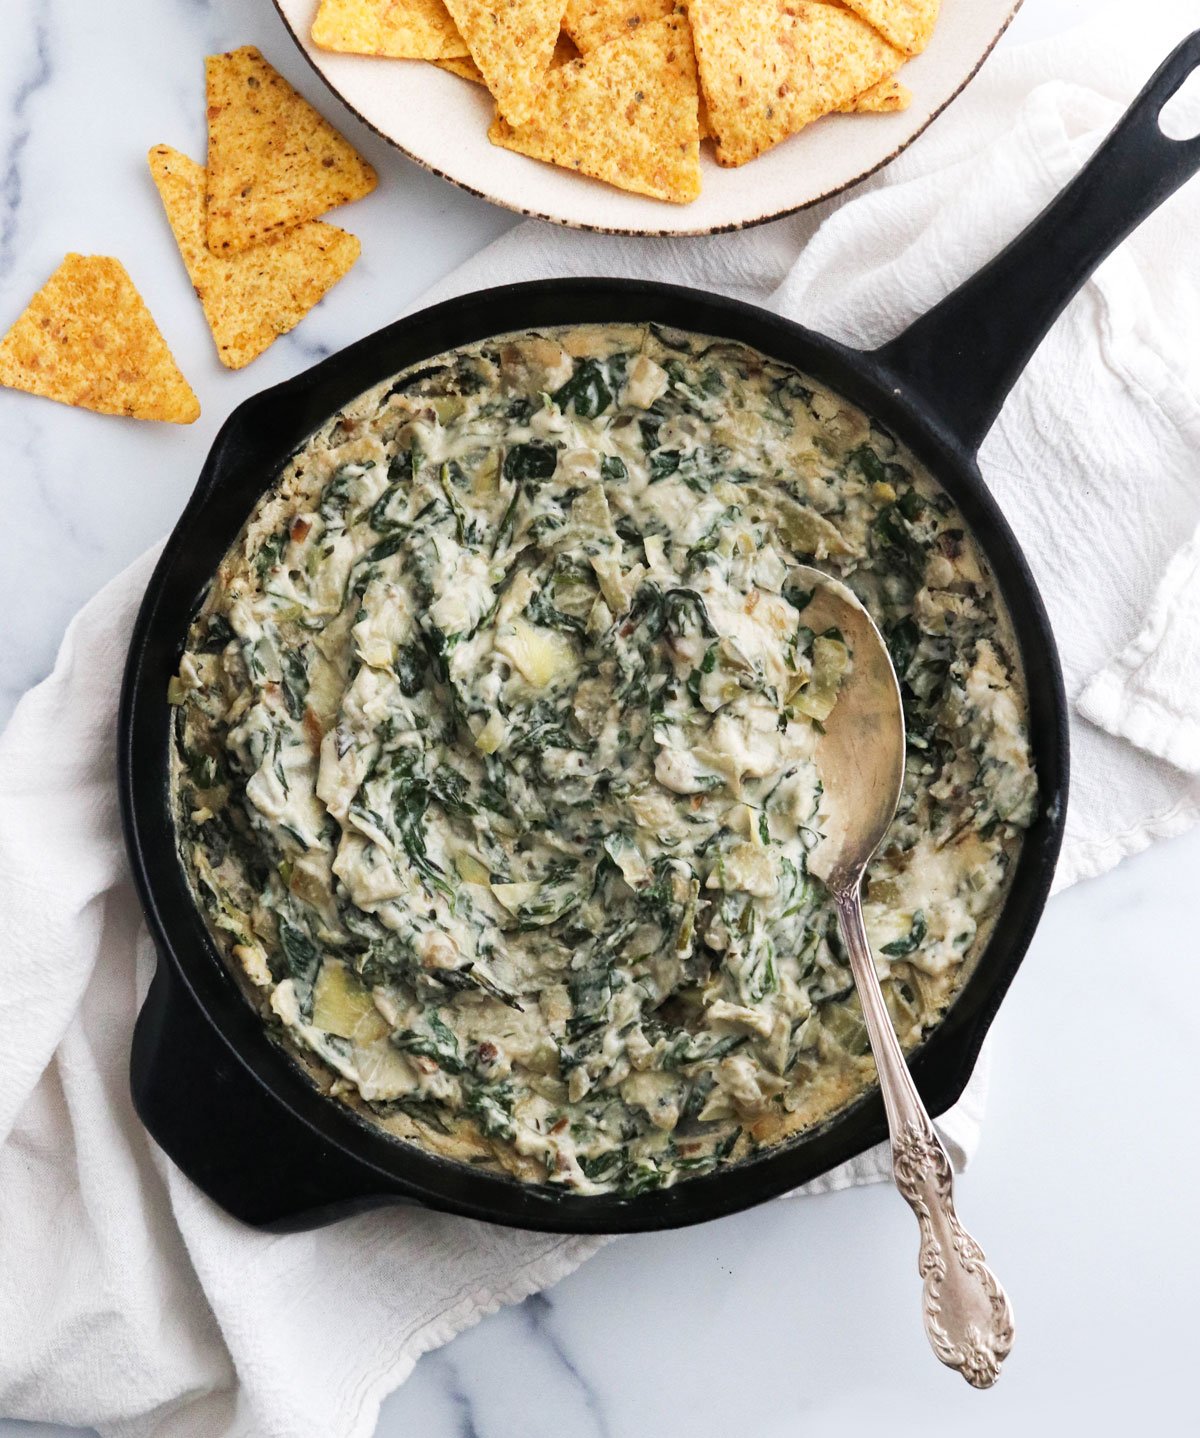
(801, 1318)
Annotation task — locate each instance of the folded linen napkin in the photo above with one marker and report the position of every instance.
(127, 1300)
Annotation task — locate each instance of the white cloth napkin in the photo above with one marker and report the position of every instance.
(127, 1300)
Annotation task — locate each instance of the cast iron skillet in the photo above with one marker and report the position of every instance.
(237, 1115)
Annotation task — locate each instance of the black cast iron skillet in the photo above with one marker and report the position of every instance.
(229, 1107)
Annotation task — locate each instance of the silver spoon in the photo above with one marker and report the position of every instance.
(860, 757)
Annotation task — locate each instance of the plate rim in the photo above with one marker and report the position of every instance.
(634, 232)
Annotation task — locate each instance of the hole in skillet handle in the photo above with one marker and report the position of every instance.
(959, 360)
(1179, 118)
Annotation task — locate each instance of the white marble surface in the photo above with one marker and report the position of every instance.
(801, 1317)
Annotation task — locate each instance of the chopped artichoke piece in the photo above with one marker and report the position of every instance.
(830, 663)
(748, 867)
(470, 870)
(541, 655)
(624, 852)
(589, 512)
(492, 735)
(806, 531)
(383, 1073)
(340, 1002)
(512, 896)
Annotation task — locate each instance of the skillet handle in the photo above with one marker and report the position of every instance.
(964, 355)
(213, 1119)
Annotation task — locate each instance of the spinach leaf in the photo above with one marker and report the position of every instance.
(870, 464)
(270, 554)
(439, 1044)
(492, 1106)
(911, 942)
(707, 665)
(335, 497)
(530, 461)
(295, 682)
(403, 465)
(587, 391)
(892, 538)
(300, 952)
(663, 463)
(411, 664)
(903, 637)
(383, 550)
(217, 636)
(684, 606)
(382, 519)
(911, 505)
(542, 611)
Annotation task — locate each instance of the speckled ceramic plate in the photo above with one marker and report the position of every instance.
(441, 122)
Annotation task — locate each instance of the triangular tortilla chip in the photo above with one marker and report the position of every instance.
(401, 29)
(273, 162)
(770, 67)
(512, 45)
(591, 23)
(625, 114)
(907, 24)
(253, 297)
(564, 53)
(463, 66)
(87, 339)
(882, 99)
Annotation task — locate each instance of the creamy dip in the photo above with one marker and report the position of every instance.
(494, 753)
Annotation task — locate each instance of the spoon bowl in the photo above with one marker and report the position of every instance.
(860, 754)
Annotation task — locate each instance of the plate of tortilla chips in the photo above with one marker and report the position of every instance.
(649, 117)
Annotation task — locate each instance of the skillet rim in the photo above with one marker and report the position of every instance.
(377, 1167)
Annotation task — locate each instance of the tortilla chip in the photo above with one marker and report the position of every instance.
(595, 22)
(512, 46)
(626, 114)
(463, 66)
(401, 29)
(770, 67)
(592, 23)
(564, 53)
(273, 162)
(87, 339)
(706, 132)
(882, 99)
(907, 24)
(251, 298)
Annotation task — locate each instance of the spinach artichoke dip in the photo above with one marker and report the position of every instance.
(493, 753)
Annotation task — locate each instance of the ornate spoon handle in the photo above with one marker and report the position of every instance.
(967, 1314)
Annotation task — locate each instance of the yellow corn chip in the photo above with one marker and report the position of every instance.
(512, 44)
(252, 297)
(87, 339)
(591, 23)
(564, 53)
(907, 24)
(402, 29)
(273, 162)
(594, 22)
(770, 67)
(463, 66)
(881, 99)
(626, 114)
